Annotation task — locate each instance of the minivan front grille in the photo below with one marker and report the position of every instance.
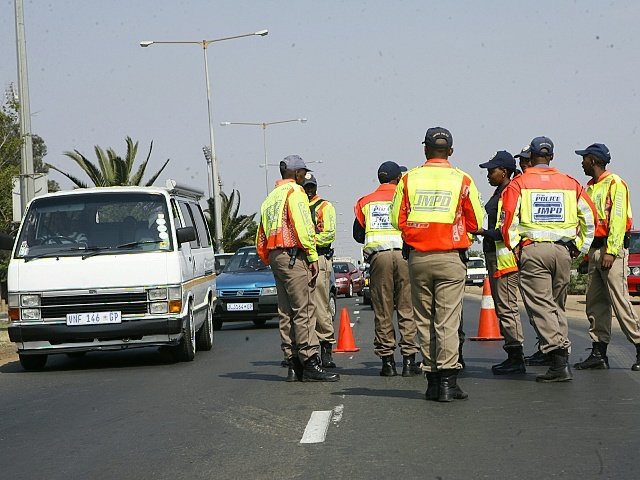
(126, 303)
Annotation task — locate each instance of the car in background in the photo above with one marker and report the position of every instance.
(366, 290)
(476, 271)
(633, 278)
(221, 260)
(349, 278)
(246, 291)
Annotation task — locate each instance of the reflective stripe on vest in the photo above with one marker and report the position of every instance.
(379, 233)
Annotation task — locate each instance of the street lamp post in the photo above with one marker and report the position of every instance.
(212, 161)
(264, 126)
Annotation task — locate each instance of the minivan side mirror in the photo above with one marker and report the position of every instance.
(6, 242)
(185, 234)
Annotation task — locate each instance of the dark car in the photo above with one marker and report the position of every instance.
(246, 291)
(633, 280)
(349, 279)
(366, 290)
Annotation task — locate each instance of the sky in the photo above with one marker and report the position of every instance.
(370, 77)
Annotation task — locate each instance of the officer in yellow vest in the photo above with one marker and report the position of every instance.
(608, 259)
(503, 271)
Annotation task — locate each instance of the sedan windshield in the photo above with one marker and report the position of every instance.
(245, 261)
(634, 244)
(93, 224)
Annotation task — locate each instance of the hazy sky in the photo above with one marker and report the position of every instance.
(370, 76)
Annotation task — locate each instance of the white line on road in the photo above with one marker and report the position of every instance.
(318, 424)
(356, 312)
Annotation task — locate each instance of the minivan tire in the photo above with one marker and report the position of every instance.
(204, 337)
(185, 351)
(33, 362)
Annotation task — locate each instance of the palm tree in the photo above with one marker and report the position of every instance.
(111, 170)
(237, 230)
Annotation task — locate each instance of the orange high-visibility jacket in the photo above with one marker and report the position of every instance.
(435, 206)
(372, 213)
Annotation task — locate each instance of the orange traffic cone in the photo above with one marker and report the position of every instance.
(488, 328)
(346, 343)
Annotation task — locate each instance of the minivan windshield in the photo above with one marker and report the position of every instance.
(475, 263)
(245, 260)
(95, 223)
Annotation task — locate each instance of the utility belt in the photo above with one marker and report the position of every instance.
(371, 255)
(325, 251)
(462, 252)
(599, 242)
(568, 244)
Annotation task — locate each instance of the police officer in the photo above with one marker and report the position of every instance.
(547, 219)
(436, 206)
(503, 271)
(608, 259)
(323, 215)
(388, 274)
(286, 241)
(537, 359)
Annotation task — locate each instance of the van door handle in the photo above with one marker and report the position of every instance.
(208, 272)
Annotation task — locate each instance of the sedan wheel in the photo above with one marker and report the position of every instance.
(350, 291)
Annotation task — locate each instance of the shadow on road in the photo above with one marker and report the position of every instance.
(254, 376)
(375, 392)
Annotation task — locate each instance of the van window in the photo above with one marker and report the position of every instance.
(102, 222)
(188, 220)
(201, 225)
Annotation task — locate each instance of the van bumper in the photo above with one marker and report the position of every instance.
(60, 333)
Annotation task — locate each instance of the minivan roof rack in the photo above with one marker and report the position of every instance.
(180, 189)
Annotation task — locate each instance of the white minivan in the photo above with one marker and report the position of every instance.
(112, 268)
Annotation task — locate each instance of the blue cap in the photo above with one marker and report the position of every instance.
(541, 146)
(389, 171)
(438, 137)
(600, 150)
(294, 162)
(502, 159)
(309, 179)
(524, 153)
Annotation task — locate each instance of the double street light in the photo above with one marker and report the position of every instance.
(212, 161)
(264, 126)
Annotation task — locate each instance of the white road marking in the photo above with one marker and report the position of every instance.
(317, 426)
(356, 312)
(351, 323)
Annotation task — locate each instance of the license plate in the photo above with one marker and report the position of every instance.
(239, 307)
(93, 318)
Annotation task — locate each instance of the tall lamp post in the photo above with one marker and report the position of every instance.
(212, 161)
(264, 126)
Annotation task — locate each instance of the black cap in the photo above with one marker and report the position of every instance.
(294, 162)
(600, 150)
(502, 159)
(438, 137)
(388, 171)
(525, 153)
(541, 146)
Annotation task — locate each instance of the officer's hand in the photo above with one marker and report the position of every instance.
(607, 261)
(313, 266)
(481, 231)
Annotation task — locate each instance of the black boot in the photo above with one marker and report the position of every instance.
(388, 367)
(409, 366)
(294, 373)
(433, 386)
(559, 370)
(513, 364)
(597, 360)
(538, 359)
(449, 390)
(313, 371)
(636, 366)
(326, 350)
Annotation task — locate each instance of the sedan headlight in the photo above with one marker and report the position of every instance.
(635, 271)
(341, 280)
(268, 291)
(30, 300)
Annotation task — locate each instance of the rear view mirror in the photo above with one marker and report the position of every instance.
(186, 234)
(6, 242)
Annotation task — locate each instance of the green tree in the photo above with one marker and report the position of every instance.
(112, 170)
(237, 230)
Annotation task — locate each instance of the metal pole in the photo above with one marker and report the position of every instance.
(27, 188)
(266, 165)
(214, 183)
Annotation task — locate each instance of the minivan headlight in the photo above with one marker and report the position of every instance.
(30, 314)
(157, 294)
(268, 291)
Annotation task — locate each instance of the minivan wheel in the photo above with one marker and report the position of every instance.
(350, 291)
(33, 362)
(204, 337)
(186, 349)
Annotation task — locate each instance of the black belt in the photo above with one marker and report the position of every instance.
(599, 242)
